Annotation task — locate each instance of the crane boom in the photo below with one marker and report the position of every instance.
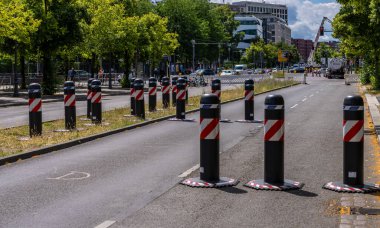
(310, 60)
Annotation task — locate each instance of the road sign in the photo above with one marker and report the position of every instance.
(282, 56)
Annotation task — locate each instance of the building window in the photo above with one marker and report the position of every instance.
(250, 32)
(253, 22)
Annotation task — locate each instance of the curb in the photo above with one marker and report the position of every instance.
(75, 142)
(373, 104)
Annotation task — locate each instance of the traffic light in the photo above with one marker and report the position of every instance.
(321, 31)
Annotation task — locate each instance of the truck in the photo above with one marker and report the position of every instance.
(335, 68)
(241, 68)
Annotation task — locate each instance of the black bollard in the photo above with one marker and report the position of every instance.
(274, 149)
(96, 102)
(209, 146)
(249, 93)
(132, 94)
(139, 98)
(69, 102)
(181, 99)
(89, 94)
(353, 150)
(165, 89)
(174, 90)
(35, 110)
(187, 89)
(152, 94)
(216, 87)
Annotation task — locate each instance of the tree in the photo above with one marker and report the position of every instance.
(17, 24)
(59, 27)
(357, 25)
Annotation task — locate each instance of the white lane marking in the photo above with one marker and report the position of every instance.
(187, 172)
(294, 106)
(304, 99)
(105, 224)
(67, 176)
(311, 95)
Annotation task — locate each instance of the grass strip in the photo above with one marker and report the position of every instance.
(11, 143)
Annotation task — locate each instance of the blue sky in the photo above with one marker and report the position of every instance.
(305, 16)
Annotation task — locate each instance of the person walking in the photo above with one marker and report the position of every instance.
(72, 74)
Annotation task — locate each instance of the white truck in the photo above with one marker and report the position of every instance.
(335, 68)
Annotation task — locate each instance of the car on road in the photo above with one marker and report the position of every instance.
(259, 71)
(227, 73)
(274, 70)
(206, 72)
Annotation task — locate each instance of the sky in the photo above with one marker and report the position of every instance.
(305, 16)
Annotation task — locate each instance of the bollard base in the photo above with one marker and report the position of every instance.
(198, 183)
(249, 121)
(182, 120)
(340, 187)
(262, 185)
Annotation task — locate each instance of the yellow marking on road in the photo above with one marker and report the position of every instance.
(344, 210)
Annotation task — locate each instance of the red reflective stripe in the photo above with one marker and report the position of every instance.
(209, 128)
(140, 94)
(37, 108)
(353, 131)
(152, 90)
(273, 130)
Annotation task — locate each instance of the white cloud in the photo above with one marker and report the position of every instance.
(305, 16)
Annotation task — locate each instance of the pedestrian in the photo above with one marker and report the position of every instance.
(100, 74)
(72, 74)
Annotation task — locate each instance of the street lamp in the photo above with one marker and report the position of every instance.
(219, 46)
(193, 43)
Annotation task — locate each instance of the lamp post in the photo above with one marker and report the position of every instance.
(229, 51)
(193, 43)
(219, 46)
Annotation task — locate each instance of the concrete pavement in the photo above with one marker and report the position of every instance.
(131, 178)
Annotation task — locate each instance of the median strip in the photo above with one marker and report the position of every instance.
(12, 149)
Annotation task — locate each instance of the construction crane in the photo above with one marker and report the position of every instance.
(321, 32)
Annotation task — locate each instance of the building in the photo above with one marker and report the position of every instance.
(304, 47)
(249, 7)
(274, 19)
(252, 27)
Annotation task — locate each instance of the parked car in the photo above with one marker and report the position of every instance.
(259, 71)
(274, 70)
(227, 73)
(82, 75)
(207, 72)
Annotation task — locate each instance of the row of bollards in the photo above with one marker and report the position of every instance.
(274, 134)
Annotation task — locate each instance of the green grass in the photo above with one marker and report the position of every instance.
(10, 138)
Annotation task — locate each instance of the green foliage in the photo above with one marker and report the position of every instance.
(325, 51)
(270, 52)
(357, 25)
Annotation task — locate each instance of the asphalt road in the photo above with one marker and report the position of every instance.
(132, 177)
(18, 115)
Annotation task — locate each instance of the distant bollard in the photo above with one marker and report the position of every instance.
(209, 146)
(174, 90)
(165, 89)
(89, 94)
(139, 98)
(249, 103)
(181, 99)
(304, 77)
(187, 89)
(96, 102)
(152, 94)
(35, 109)
(69, 102)
(353, 150)
(132, 95)
(216, 87)
(274, 149)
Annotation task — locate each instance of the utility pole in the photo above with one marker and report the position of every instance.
(193, 43)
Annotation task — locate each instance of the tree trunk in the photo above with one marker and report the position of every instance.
(22, 68)
(47, 74)
(92, 65)
(376, 80)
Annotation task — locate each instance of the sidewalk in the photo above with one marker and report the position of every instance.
(374, 110)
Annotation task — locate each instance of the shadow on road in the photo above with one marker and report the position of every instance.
(233, 190)
(303, 193)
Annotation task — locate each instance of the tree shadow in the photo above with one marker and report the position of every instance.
(300, 192)
(233, 190)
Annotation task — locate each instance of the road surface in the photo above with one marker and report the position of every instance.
(132, 178)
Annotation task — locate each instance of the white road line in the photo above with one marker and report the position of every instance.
(105, 224)
(294, 106)
(187, 172)
(304, 99)
(311, 95)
